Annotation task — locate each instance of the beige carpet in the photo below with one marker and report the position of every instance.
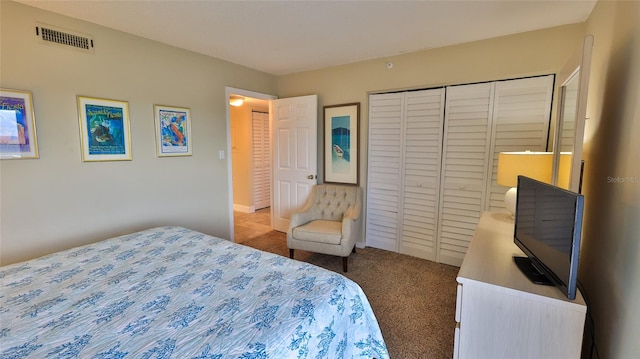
(413, 299)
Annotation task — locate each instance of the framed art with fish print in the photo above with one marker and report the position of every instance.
(341, 151)
(104, 129)
(173, 131)
(17, 125)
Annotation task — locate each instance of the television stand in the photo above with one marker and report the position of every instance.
(529, 269)
(502, 314)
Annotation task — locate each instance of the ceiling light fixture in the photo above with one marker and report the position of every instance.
(236, 101)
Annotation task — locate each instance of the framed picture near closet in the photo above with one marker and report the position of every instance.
(341, 140)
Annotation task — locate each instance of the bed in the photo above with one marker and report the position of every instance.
(170, 292)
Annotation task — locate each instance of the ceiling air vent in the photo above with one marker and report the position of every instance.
(52, 35)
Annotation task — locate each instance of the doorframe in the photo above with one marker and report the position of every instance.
(246, 93)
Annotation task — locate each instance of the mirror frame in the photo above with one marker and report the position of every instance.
(580, 61)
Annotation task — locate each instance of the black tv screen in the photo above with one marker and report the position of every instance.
(548, 226)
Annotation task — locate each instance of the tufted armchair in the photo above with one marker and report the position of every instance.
(329, 222)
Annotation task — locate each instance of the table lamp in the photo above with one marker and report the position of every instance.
(536, 165)
(564, 170)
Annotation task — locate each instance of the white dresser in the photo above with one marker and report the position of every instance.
(500, 313)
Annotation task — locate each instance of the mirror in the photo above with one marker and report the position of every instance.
(566, 129)
(572, 109)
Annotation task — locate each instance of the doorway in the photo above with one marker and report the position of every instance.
(294, 123)
(247, 120)
(251, 164)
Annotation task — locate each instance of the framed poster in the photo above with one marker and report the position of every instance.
(17, 125)
(104, 129)
(341, 152)
(173, 131)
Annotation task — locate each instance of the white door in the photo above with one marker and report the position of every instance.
(405, 146)
(384, 189)
(421, 163)
(465, 150)
(294, 125)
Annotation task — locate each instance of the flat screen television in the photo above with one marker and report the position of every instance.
(548, 227)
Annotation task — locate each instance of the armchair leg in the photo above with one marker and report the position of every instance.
(291, 253)
(344, 264)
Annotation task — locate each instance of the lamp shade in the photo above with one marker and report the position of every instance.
(536, 165)
(564, 170)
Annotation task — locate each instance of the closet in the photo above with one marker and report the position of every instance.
(261, 160)
(432, 160)
(405, 145)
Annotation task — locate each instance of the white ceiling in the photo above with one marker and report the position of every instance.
(282, 37)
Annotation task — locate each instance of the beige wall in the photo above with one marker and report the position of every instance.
(57, 201)
(521, 55)
(610, 257)
(526, 54)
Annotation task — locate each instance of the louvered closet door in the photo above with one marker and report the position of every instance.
(424, 115)
(261, 160)
(522, 110)
(466, 147)
(383, 178)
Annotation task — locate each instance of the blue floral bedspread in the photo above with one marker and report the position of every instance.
(174, 293)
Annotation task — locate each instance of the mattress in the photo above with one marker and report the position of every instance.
(170, 292)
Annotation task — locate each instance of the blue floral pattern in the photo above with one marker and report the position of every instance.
(170, 292)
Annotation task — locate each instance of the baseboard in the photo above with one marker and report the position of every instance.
(244, 209)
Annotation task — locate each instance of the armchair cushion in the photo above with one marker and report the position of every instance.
(321, 231)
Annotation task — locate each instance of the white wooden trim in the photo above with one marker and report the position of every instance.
(243, 208)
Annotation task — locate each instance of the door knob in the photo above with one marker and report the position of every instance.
(311, 176)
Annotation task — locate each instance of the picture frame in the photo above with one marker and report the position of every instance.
(341, 143)
(104, 129)
(17, 125)
(173, 131)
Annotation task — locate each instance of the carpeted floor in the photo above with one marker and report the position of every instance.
(413, 299)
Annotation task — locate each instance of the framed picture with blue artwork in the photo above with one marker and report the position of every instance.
(173, 131)
(17, 125)
(341, 141)
(104, 129)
